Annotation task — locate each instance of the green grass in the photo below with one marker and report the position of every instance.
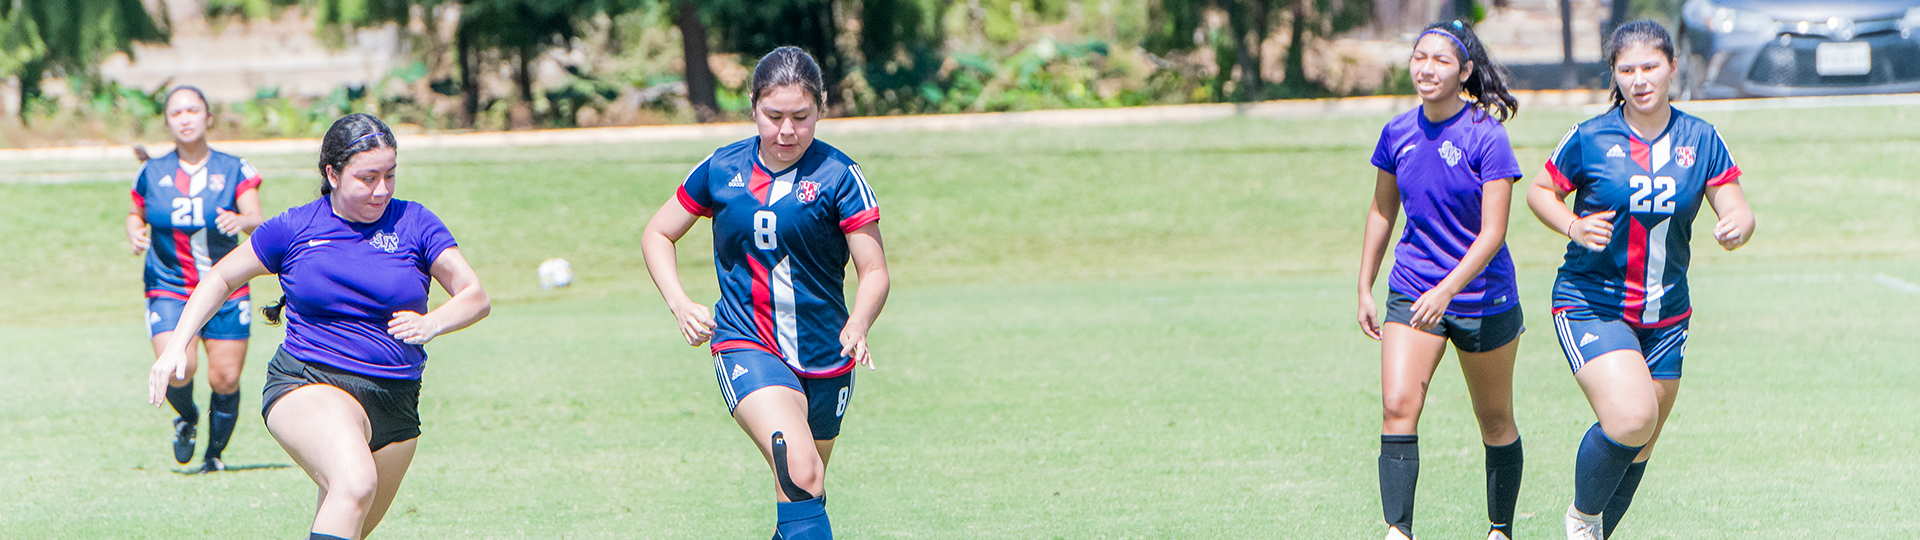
(1132, 332)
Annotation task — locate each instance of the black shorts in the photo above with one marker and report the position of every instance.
(392, 405)
(1470, 334)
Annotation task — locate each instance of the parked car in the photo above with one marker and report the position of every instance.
(1777, 48)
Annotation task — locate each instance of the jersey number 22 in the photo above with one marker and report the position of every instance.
(1658, 204)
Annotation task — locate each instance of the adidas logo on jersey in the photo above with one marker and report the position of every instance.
(737, 181)
(738, 370)
(1616, 152)
(1588, 338)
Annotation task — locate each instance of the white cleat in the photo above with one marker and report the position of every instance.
(1497, 535)
(1393, 533)
(1581, 526)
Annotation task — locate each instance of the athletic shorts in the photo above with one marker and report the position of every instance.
(1586, 336)
(1470, 334)
(741, 372)
(392, 405)
(231, 322)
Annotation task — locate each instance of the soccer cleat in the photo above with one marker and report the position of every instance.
(1393, 533)
(212, 464)
(1497, 535)
(183, 435)
(1581, 526)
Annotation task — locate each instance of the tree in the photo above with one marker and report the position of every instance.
(694, 54)
(71, 37)
(756, 27)
(1250, 23)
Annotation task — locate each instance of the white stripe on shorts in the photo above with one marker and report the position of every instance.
(1574, 359)
(726, 385)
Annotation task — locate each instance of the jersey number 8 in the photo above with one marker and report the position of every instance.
(1659, 204)
(189, 212)
(764, 236)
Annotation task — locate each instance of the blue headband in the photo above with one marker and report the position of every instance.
(363, 137)
(1455, 40)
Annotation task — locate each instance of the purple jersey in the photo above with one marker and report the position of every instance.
(344, 281)
(780, 249)
(180, 205)
(1439, 168)
(1657, 188)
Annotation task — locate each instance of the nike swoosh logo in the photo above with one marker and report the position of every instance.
(312, 243)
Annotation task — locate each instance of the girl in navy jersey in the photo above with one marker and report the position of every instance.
(1620, 305)
(189, 209)
(342, 393)
(788, 212)
(1448, 164)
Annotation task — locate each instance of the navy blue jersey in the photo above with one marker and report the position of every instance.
(780, 249)
(180, 205)
(1656, 188)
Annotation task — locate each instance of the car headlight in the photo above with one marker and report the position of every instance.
(1727, 20)
(1912, 20)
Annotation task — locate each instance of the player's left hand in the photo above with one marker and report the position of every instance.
(1728, 232)
(412, 328)
(853, 344)
(229, 222)
(170, 366)
(1430, 307)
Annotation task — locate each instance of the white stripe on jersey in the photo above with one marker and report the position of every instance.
(1662, 153)
(202, 257)
(781, 187)
(786, 321)
(1723, 147)
(1563, 142)
(866, 191)
(1656, 271)
(696, 168)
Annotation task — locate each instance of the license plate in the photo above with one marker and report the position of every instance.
(1843, 59)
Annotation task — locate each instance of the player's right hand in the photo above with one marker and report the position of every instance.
(1369, 319)
(171, 366)
(696, 322)
(139, 241)
(1593, 231)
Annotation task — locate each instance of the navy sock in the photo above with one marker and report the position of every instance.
(222, 414)
(1399, 472)
(805, 520)
(1602, 463)
(1503, 485)
(181, 397)
(318, 536)
(1622, 497)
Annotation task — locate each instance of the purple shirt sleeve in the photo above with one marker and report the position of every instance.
(1495, 160)
(1383, 157)
(271, 240)
(431, 235)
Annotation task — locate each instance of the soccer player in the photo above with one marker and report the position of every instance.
(1448, 163)
(1640, 172)
(189, 209)
(343, 392)
(788, 211)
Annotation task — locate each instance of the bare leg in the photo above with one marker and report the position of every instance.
(325, 431)
(1490, 384)
(1408, 358)
(1623, 395)
(391, 462)
(778, 408)
(225, 358)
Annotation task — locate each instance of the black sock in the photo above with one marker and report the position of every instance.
(181, 397)
(1622, 497)
(222, 413)
(1399, 472)
(1503, 485)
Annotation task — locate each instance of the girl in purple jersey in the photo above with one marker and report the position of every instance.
(1629, 367)
(342, 394)
(771, 401)
(1449, 164)
(225, 340)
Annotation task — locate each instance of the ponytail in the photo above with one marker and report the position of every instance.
(1487, 85)
(272, 311)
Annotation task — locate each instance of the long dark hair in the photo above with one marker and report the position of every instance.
(785, 66)
(349, 136)
(1641, 32)
(1488, 83)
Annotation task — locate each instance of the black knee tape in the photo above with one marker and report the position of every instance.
(794, 493)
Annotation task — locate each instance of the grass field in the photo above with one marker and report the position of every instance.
(1134, 332)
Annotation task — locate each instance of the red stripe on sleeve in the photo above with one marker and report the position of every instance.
(1729, 176)
(138, 199)
(856, 221)
(1560, 180)
(250, 183)
(692, 206)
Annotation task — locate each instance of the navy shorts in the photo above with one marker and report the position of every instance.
(1470, 334)
(231, 322)
(392, 405)
(741, 372)
(1586, 336)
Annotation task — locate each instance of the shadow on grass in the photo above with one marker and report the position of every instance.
(235, 468)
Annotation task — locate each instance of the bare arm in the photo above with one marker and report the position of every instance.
(1736, 223)
(1548, 203)
(1382, 212)
(244, 221)
(239, 266)
(137, 229)
(467, 305)
(657, 241)
(870, 263)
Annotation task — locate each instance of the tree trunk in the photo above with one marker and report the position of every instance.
(1621, 10)
(469, 77)
(1242, 17)
(1297, 50)
(693, 46)
(1568, 80)
(522, 115)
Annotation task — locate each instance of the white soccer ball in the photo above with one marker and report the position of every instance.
(555, 272)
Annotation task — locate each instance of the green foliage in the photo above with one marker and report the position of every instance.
(72, 37)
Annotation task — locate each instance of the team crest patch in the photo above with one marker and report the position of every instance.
(386, 241)
(216, 182)
(1450, 153)
(1683, 155)
(808, 191)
